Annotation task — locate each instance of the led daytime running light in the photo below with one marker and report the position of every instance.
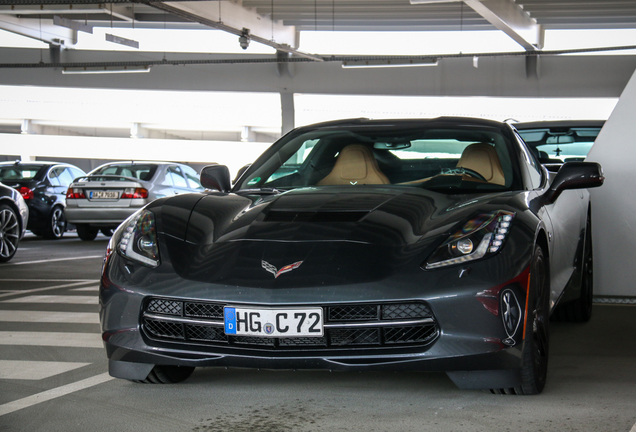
(479, 253)
(487, 230)
(139, 239)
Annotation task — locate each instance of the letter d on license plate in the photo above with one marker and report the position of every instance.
(304, 322)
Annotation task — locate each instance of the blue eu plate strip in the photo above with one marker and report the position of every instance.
(230, 320)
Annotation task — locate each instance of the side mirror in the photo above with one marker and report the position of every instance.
(216, 177)
(575, 175)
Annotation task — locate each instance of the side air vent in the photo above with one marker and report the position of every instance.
(315, 216)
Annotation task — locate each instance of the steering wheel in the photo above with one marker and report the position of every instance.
(472, 173)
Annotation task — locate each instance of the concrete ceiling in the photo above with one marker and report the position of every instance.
(277, 22)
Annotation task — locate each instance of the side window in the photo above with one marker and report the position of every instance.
(110, 171)
(75, 173)
(191, 177)
(65, 177)
(174, 174)
(534, 168)
(54, 176)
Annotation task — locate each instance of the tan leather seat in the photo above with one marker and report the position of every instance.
(483, 159)
(355, 165)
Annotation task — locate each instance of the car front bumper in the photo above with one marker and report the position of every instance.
(469, 341)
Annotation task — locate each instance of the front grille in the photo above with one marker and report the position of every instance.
(167, 307)
(353, 313)
(357, 325)
(346, 337)
(164, 329)
(204, 310)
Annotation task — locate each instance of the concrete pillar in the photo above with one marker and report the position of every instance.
(288, 112)
(614, 204)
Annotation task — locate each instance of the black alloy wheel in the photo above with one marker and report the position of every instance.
(534, 368)
(9, 233)
(86, 232)
(56, 224)
(162, 374)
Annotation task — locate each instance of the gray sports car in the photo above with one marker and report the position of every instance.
(434, 245)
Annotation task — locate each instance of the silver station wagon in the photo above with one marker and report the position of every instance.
(110, 193)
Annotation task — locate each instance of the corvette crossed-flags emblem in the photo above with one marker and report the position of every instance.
(273, 270)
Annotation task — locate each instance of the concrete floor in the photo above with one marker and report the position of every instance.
(591, 382)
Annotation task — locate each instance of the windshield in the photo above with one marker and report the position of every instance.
(452, 160)
(138, 171)
(18, 172)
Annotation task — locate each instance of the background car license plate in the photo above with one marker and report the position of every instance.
(273, 322)
(103, 195)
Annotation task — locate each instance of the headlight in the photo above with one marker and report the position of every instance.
(482, 235)
(139, 239)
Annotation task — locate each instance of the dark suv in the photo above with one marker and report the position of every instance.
(43, 186)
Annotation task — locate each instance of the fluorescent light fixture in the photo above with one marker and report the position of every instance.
(105, 70)
(389, 63)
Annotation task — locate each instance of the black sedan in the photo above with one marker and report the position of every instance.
(429, 245)
(43, 186)
(14, 214)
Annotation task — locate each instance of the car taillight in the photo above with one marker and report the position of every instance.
(73, 193)
(135, 193)
(26, 192)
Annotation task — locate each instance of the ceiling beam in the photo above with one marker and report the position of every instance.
(43, 30)
(507, 16)
(232, 16)
(116, 11)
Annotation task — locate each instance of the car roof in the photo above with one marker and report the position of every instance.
(471, 121)
(543, 124)
(38, 163)
(136, 162)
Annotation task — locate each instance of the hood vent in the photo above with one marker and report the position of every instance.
(314, 216)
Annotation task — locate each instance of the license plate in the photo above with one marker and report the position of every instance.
(103, 195)
(304, 322)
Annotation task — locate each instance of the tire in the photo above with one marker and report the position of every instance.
(9, 233)
(108, 232)
(86, 232)
(56, 225)
(535, 350)
(161, 374)
(580, 310)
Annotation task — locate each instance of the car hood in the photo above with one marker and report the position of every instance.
(336, 235)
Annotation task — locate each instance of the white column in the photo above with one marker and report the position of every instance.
(614, 203)
(288, 112)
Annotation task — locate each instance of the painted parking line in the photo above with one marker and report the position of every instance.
(57, 260)
(46, 280)
(56, 299)
(35, 370)
(49, 317)
(87, 289)
(634, 428)
(53, 393)
(52, 339)
(34, 290)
